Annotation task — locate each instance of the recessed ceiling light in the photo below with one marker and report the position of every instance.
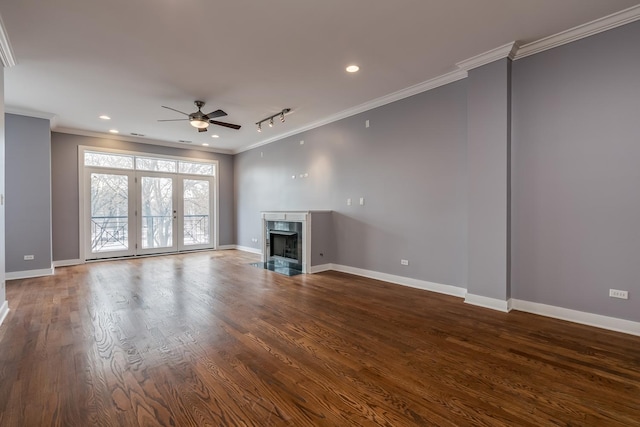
(114, 131)
(352, 68)
(215, 136)
(103, 117)
(205, 144)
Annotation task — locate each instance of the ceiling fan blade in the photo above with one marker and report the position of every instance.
(217, 113)
(173, 120)
(202, 129)
(177, 111)
(227, 125)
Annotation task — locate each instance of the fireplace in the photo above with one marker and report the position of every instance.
(286, 241)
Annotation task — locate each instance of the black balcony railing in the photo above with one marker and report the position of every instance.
(111, 233)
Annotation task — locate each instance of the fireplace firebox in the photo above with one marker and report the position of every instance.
(284, 242)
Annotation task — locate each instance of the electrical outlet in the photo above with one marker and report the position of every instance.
(615, 293)
(404, 261)
(28, 257)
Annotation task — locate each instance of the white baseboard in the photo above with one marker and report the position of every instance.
(4, 311)
(248, 249)
(486, 302)
(226, 247)
(320, 268)
(67, 263)
(27, 274)
(590, 319)
(401, 280)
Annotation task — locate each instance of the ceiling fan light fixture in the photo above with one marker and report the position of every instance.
(199, 123)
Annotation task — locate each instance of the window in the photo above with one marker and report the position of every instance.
(145, 163)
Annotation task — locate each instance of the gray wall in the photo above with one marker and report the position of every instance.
(488, 140)
(410, 167)
(64, 160)
(576, 174)
(28, 193)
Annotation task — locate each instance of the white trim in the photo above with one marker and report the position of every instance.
(226, 247)
(320, 268)
(590, 319)
(425, 86)
(249, 249)
(7, 57)
(4, 311)
(27, 274)
(505, 51)
(141, 140)
(486, 302)
(599, 25)
(401, 280)
(67, 262)
(52, 118)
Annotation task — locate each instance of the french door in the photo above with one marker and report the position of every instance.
(143, 212)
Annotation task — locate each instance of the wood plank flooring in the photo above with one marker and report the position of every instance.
(204, 339)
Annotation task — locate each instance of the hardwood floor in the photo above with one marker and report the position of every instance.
(205, 339)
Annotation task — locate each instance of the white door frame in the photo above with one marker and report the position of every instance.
(83, 206)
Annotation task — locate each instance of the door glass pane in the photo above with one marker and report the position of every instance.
(158, 165)
(157, 212)
(109, 212)
(197, 217)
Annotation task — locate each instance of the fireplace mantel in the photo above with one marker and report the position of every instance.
(303, 217)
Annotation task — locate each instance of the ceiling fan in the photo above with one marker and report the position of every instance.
(201, 121)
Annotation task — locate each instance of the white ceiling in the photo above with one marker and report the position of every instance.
(78, 59)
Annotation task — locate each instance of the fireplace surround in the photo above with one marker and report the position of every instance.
(288, 243)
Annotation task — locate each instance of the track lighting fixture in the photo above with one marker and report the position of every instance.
(270, 118)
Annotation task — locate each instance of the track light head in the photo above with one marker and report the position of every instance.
(282, 116)
(271, 122)
(260, 127)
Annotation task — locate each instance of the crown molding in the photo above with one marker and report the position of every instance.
(53, 119)
(131, 138)
(369, 105)
(505, 51)
(600, 25)
(6, 52)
